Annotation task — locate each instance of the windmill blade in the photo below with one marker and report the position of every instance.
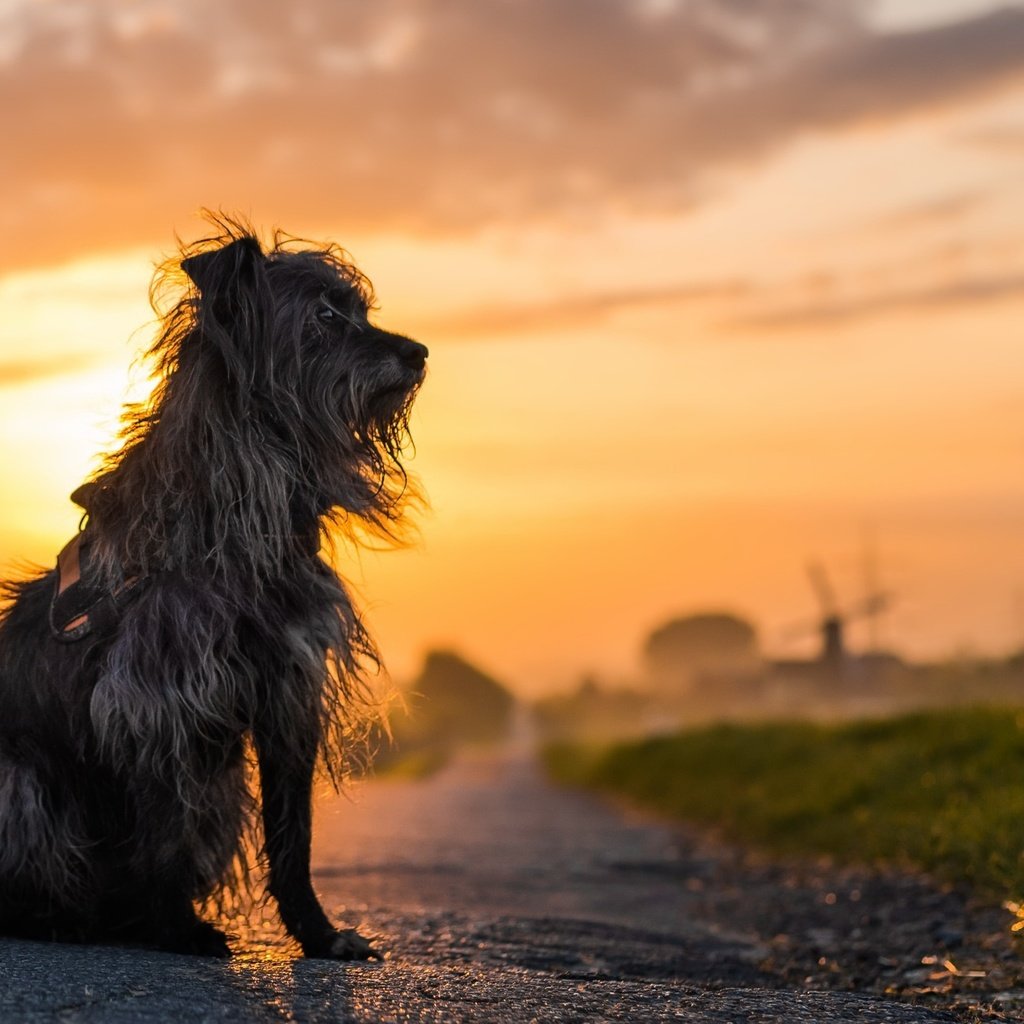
(873, 604)
(822, 587)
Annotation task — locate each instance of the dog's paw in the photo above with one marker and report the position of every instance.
(345, 945)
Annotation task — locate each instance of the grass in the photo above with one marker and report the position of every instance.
(413, 766)
(942, 791)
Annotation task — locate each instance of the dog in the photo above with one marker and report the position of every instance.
(176, 682)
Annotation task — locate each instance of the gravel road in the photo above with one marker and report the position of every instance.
(500, 898)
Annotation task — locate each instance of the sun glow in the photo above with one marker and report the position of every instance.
(66, 347)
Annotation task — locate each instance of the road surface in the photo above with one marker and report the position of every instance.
(501, 898)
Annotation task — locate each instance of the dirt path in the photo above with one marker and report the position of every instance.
(502, 898)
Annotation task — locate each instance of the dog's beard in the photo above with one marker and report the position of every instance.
(359, 468)
(389, 422)
(376, 406)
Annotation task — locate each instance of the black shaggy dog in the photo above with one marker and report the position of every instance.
(192, 622)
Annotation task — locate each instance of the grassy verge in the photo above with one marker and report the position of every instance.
(942, 791)
(416, 765)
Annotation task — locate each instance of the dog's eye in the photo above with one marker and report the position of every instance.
(326, 314)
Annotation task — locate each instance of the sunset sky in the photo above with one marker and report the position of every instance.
(711, 287)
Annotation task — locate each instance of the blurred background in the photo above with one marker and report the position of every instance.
(723, 301)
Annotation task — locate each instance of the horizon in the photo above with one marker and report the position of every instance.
(709, 295)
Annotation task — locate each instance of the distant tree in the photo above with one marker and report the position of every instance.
(707, 643)
(452, 700)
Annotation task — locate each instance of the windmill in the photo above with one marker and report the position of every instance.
(832, 623)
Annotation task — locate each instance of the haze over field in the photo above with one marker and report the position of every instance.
(710, 288)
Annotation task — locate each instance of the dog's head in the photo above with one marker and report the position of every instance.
(280, 343)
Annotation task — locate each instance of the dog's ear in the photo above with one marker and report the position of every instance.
(232, 314)
(218, 270)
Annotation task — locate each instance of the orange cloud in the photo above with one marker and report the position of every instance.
(815, 315)
(23, 371)
(432, 117)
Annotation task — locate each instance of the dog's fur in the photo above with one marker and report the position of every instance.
(124, 791)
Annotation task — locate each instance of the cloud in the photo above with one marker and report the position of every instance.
(711, 297)
(1004, 140)
(575, 311)
(436, 116)
(829, 313)
(939, 210)
(27, 371)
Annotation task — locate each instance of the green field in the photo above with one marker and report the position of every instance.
(942, 791)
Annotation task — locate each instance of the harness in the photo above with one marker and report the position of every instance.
(81, 605)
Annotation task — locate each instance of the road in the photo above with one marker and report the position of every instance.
(501, 898)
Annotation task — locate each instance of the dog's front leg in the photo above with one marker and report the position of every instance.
(286, 782)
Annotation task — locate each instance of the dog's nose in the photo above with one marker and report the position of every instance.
(413, 353)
